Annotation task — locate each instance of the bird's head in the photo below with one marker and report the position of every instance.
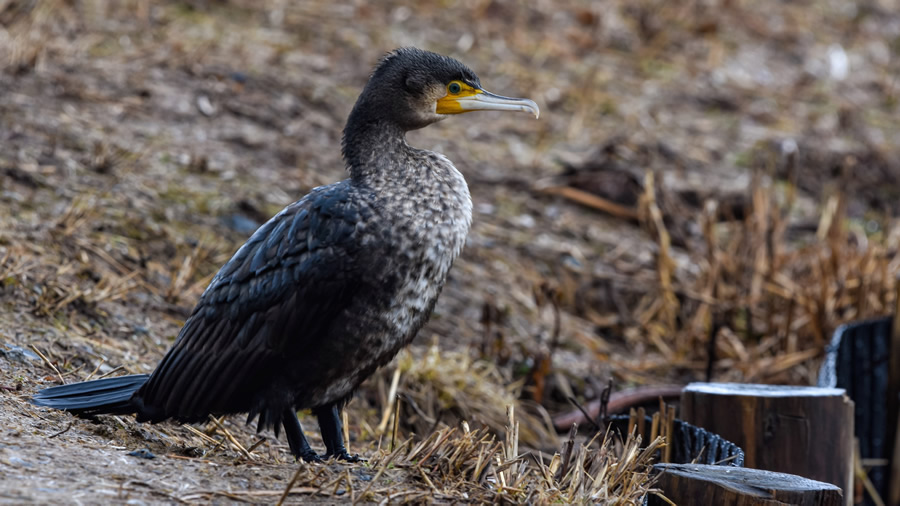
(414, 88)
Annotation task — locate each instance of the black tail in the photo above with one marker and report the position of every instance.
(102, 396)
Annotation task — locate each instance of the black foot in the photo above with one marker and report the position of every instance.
(312, 457)
(346, 457)
(330, 425)
(296, 440)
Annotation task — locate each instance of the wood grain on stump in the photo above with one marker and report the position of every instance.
(689, 484)
(806, 431)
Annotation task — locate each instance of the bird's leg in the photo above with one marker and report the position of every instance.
(330, 424)
(296, 440)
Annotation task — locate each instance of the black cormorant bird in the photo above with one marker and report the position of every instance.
(330, 288)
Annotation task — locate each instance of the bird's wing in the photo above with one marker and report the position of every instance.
(283, 288)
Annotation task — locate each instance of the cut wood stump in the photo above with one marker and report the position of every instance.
(687, 484)
(807, 431)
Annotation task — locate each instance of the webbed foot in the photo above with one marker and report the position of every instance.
(346, 457)
(312, 457)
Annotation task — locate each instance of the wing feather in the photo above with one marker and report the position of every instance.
(281, 290)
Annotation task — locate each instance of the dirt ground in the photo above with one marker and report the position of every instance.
(142, 141)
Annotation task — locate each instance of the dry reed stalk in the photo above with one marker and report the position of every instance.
(388, 407)
(345, 428)
(593, 201)
(667, 433)
(290, 485)
(49, 363)
(511, 447)
(203, 436)
(383, 465)
(768, 301)
(655, 428)
(228, 435)
(111, 372)
(99, 365)
(665, 265)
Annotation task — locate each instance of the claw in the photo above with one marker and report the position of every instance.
(311, 456)
(346, 457)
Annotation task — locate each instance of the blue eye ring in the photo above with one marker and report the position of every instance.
(454, 88)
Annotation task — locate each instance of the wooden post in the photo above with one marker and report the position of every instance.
(735, 486)
(807, 431)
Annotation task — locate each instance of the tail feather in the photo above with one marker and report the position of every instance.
(103, 396)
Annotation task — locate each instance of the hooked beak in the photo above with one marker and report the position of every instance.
(480, 100)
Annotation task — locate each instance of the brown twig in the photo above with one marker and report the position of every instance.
(584, 412)
(618, 402)
(108, 373)
(256, 445)
(91, 375)
(230, 437)
(61, 432)
(290, 485)
(593, 201)
(50, 364)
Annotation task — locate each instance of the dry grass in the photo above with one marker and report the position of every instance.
(768, 304)
(141, 136)
(439, 388)
(471, 465)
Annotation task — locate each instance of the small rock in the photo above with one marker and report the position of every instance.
(17, 353)
(205, 106)
(240, 223)
(16, 461)
(524, 221)
(143, 453)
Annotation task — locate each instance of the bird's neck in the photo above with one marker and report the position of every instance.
(370, 146)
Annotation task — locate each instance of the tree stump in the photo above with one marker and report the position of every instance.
(686, 484)
(807, 431)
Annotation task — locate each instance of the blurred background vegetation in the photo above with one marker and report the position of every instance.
(703, 169)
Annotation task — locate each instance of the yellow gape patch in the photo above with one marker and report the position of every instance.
(456, 91)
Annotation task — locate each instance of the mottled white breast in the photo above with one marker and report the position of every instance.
(424, 214)
(441, 215)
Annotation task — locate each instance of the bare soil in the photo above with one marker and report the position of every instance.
(141, 142)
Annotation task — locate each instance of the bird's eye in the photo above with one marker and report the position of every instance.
(454, 87)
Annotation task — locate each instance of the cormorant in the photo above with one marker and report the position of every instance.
(330, 288)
